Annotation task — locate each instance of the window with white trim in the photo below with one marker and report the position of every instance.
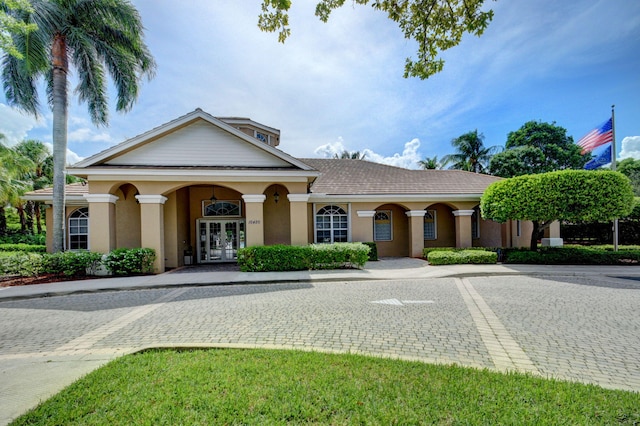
(382, 226)
(332, 225)
(79, 229)
(430, 225)
(221, 208)
(475, 223)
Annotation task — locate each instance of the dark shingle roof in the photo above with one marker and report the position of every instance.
(342, 177)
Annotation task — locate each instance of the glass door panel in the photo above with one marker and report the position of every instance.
(231, 240)
(202, 242)
(216, 241)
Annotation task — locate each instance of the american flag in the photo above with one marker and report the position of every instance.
(598, 136)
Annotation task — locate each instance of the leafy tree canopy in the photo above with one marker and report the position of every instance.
(350, 155)
(573, 195)
(435, 25)
(631, 168)
(9, 24)
(537, 147)
(432, 163)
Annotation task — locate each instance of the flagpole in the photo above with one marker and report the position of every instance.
(613, 167)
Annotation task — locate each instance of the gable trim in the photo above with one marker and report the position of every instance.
(147, 137)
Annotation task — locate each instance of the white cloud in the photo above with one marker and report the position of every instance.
(72, 157)
(408, 159)
(14, 125)
(86, 134)
(630, 148)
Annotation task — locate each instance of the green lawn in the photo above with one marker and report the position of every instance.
(225, 386)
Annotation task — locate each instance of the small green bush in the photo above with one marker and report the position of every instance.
(338, 255)
(296, 258)
(26, 248)
(462, 257)
(71, 263)
(14, 237)
(130, 261)
(22, 264)
(427, 250)
(373, 250)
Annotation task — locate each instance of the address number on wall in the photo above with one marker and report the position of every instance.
(254, 222)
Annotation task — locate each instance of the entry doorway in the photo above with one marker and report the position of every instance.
(219, 240)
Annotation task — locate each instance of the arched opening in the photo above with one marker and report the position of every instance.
(439, 226)
(391, 231)
(277, 216)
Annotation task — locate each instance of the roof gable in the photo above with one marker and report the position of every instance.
(196, 139)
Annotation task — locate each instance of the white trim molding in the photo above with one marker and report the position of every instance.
(462, 212)
(101, 198)
(254, 198)
(298, 198)
(414, 213)
(151, 199)
(366, 213)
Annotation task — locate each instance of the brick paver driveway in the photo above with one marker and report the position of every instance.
(576, 328)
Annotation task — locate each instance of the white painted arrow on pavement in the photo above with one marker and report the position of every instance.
(397, 302)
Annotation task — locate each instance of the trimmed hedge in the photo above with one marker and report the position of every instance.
(296, 258)
(25, 248)
(373, 250)
(126, 261)
(441, 257)
(573, 256)
(427, 250)
(77, 263)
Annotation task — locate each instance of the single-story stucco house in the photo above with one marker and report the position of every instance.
(211, 185)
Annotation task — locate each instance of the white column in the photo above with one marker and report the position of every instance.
(152, 226)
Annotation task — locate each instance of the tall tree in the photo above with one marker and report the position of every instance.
(12, 187)
(94, 36)
(39, 176)
(630, 167)
(432, 163)
(537, 147)
(471, 154)
(435, 25)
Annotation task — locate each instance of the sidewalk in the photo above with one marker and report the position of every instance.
(384, 269)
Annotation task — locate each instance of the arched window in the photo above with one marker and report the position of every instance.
(332, 225)
(79, 229)
(430, 225)
(221, 208)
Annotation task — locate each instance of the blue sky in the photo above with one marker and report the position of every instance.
(339, 85)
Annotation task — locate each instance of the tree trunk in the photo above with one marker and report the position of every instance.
(3, 221)
(59, 102)
(534, 236)
(29, 218)
(23, 222)
(38, 214)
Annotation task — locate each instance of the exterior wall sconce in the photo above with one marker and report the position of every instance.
(276, 196)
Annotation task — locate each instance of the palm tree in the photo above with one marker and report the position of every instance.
(471, 154)
(346, 155)
(40, 176)
(93, 36)
(12, 187)
(432, 163)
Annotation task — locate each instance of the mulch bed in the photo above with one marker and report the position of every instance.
(14, 281)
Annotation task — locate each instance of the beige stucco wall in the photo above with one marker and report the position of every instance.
(277, 216)
(446, 231)
(399, 246)
(490, 234)
(127, 218)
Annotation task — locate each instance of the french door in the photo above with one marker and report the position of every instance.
(219, 240)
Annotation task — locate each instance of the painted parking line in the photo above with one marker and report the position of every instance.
(86, 341)
(505, 352)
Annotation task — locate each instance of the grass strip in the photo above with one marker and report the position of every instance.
(228, 386)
